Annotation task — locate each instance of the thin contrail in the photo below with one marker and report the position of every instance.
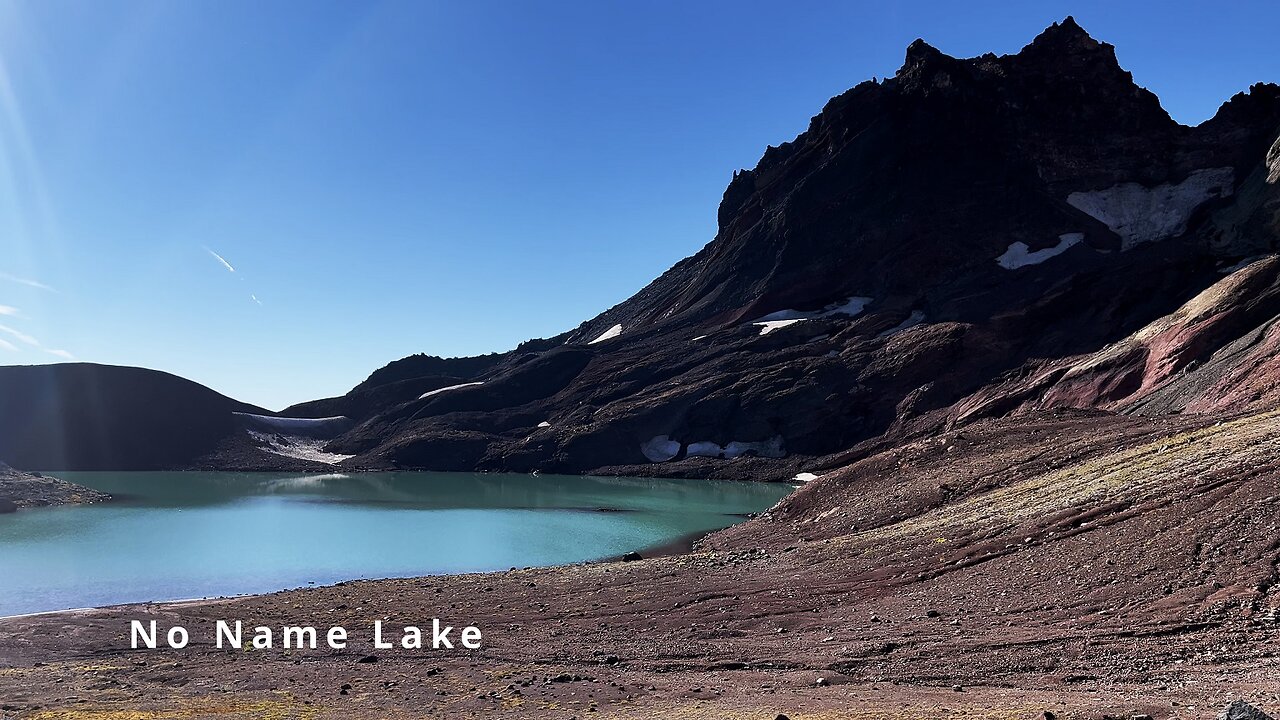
(25, 281)
(20, 336)
(221, 259)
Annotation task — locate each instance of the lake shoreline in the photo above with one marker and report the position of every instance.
(867, 593)
(23, 490)
(683, 545)
(331, 528)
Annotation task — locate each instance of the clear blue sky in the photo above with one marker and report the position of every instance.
(451, 178)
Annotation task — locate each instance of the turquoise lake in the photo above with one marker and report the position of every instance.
(171, 536)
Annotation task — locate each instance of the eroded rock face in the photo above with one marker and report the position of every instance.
(1013, 229)
(1273, 163)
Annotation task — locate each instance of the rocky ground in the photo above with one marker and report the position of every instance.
(23, 490)
(1080, 563)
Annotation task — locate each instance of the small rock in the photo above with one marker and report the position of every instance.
(632, 557)
(368, 659)
(931, 613)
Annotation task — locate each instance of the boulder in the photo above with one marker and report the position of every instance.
(1241, 710)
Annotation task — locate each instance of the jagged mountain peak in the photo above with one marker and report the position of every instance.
(995, 145)
(1257, 104)
(919, 52)
(924, 237)
(1068, 36)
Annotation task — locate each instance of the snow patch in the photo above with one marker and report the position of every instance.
(1140, 214)
(437, 391)
(544, 424)
(804, 477)
(1019, 255)
(771, 448)
(851, 307)
(298, 448)
(704, 449)
(700, 337)
(296, 425)
(301, 427)
(660, 448)
(782, 318)
(769, 326)
(915, 318)
(609, 334)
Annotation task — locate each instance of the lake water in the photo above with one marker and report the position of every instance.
(171, 536)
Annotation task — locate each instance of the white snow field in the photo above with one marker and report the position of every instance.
(609, 334)
(804, 477)
(1019, 255)
(437, 391)
(336, 423)
(1141, 214)
(852, 307)
(768, 326)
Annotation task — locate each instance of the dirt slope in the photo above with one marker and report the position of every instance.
(1084, 563)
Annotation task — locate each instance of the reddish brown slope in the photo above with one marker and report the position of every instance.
(1216, 353)
(1079, 563)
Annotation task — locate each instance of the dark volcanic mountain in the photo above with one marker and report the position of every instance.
(79, 416)
(969, 238)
